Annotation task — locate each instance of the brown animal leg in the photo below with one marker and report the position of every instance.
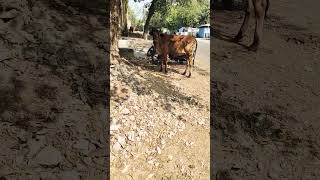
(259, 8)
(165, 65)
(161, 65)
(245, 23)
(189, 64)
(185, 71)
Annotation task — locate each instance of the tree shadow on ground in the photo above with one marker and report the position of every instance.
(152, 65)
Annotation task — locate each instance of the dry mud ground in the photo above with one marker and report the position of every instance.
(159, 123)
(266, 105)
(52, 91)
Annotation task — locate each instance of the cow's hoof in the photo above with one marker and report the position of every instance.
(184, 73)
(237, 39)
(253, 48)
(189, 75)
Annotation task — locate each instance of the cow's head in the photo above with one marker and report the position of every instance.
(158, 40)
(153, 30)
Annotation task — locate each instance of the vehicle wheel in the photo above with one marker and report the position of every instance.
(151, 52)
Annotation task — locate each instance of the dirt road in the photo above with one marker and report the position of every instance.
(52, 98)
(267, 103)
(160, 123)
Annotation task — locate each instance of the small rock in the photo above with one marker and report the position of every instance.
(22, 136)
(158, 150)
(125, 111)
(171, 134)
(150, 161)
(114, 127)
(81, 144)
(189, 143)
(42, 132)
(150, 175)
(163, 142)
(201, 122)
(49, 156)
(170, 157)
(116, 147)
(272, 175)
(132, 118)
(125, 169)
(131, 136)
(121, 140)
(136, 108)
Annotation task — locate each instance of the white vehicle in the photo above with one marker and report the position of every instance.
(187, 31)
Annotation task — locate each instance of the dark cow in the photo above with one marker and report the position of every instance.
(131, 29)
(259, 8)
(175, 46)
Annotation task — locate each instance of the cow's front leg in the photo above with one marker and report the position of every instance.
(165, 64)
(165, 67)
(260, 7)
(161, 65)
(245, 23)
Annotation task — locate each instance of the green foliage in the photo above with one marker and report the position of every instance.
(132, 17)
(174, 14)
(183, 13)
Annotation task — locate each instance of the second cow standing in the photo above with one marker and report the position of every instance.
(175, 46)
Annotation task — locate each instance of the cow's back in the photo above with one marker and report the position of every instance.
(180, 44)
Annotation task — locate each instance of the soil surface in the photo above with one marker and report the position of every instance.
(266, 105)
(52, 91)
(159, 122)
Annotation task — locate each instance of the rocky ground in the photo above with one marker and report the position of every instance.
(52, 91)
(265, 105)
(159, 123)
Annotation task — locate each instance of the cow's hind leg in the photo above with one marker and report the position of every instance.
(259, 9)
(187, 67)
(189, 64)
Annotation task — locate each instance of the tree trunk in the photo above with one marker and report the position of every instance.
(151, 11)
(124, 18)
(116, 24)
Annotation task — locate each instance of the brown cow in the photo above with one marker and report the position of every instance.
(175, 46)
(260, 8)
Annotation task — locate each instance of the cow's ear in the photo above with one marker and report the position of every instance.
(161, 35)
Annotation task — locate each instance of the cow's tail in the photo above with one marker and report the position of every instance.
(267, 8)
(194, 52)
